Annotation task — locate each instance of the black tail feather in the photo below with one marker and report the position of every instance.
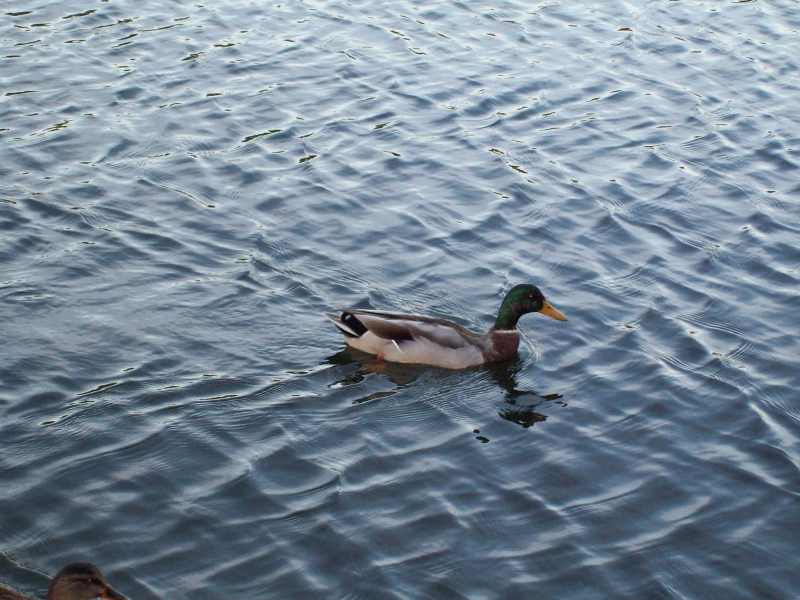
(354, 324)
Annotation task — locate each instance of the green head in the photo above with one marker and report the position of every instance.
(520, 300)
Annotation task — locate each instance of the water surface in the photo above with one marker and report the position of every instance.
(184, 187)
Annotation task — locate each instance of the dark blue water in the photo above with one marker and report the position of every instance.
(184, 187)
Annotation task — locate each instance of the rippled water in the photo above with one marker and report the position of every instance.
(185, 187)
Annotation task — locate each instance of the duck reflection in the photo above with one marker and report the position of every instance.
(519, 405)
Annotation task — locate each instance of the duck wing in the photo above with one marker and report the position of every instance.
(406, 327)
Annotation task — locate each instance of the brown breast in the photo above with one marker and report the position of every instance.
(504, 345)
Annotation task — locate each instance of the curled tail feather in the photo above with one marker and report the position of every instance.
(348, 324)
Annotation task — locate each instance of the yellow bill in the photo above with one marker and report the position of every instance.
(547, 309)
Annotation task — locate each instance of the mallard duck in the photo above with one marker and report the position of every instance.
(405, 338)
(78, 581)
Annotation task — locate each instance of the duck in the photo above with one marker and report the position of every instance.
(76, 581)
(407, 338)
